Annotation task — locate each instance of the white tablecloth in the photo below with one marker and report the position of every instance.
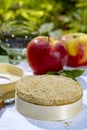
(10, 119)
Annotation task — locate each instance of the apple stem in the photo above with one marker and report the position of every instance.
(48, 38)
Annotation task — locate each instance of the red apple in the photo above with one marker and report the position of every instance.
(76, 44)
(46, 54)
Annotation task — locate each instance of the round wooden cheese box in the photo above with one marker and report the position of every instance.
(48, 97)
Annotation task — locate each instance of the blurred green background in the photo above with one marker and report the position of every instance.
(53, 17)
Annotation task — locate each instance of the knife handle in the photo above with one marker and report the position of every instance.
(1, 103)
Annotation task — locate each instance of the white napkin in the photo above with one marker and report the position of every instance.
(12, 120)
(25, 66)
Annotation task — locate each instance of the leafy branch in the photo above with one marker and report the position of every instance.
(68, 73)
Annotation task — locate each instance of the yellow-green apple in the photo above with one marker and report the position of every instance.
(76, 44)
(46, 54)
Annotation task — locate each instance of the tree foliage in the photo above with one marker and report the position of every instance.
(53, 18)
